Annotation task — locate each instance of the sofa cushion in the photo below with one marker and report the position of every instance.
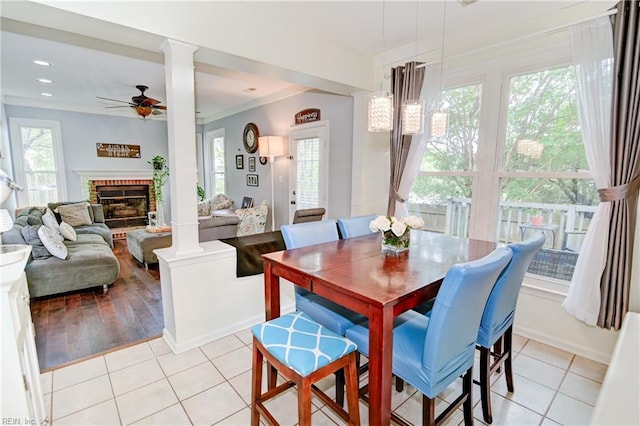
(31, 237)
(75, 214)
(34, 216)
(204, 208)
(52, 242)
(219, 202)
(253, 220)
(98, 229)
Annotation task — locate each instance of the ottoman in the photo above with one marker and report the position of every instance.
(141, 244)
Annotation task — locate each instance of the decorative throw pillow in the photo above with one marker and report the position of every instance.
(30, 235)
(75, 214)
(253, 220)
(204, 208)
(49, 220)
(52, 243)
(68, 232)
(220, 202)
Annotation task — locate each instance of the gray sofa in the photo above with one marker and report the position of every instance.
(90, 262)
(141, 243)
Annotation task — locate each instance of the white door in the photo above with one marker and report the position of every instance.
(309, 171)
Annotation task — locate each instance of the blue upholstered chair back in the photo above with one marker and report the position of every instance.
(355, 226)
(501, 307)
(453, 326)
(307, 234)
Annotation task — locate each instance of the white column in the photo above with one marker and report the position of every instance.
(181, 126)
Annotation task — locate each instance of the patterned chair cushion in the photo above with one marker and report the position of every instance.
(220, 202)
(253, 220)
(204, 208)
(301, 343)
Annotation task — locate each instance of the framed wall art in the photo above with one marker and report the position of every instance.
(153, 218)
(239, 161)
(252, 180)
(252, 164)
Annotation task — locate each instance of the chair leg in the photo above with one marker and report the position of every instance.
(497, 349)
(304, 403)
(428, 411)
(340, 387)
(467, 389)
(508, 370)
(485, 383)
(399, 384)
(256, 385)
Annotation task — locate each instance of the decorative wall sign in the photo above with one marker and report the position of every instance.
(239, 161)
(252, 164)
(252, 180)
(115, 150)
(307, 115)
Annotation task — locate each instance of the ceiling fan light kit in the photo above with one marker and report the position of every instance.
(141, 104)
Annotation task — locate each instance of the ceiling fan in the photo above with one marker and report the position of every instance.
(143, 105)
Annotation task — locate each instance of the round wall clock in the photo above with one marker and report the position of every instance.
(250, 138)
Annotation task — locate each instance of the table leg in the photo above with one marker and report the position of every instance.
(272, 310)
(380, 370)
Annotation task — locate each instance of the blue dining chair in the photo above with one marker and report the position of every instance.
(431, 352)
(355, 226)
(496, 325)
(335, 317)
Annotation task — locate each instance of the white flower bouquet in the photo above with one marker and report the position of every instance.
(395, 232)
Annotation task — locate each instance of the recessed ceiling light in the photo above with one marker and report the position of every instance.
(249, 90)
(45, 81)
(46, 94)
(43, 63)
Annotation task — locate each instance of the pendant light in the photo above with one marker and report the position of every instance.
(413, 107)
(380, 111)
(440, 119)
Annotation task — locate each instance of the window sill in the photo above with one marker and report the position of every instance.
(547, 288)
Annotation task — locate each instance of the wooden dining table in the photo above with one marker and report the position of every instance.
(356, 274)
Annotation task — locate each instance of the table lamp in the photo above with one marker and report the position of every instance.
(271, 146)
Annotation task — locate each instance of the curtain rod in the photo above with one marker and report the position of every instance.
(545, 32)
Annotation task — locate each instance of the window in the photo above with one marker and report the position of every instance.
(36, 148)
(518, 158)
(442, 192)
(215, 176)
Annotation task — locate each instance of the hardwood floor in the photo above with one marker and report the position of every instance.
(81, 324)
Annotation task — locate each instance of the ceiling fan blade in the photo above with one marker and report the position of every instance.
(156, 112)
(149, 102)
(114, 100)
(120, 106)
(159, 107)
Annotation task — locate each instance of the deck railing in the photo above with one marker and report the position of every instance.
(565, 227)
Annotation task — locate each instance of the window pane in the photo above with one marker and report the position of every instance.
(41, 188)
(457, 150)
(443, 202)
(307, 173)
(218, 155)
(543, 130)
(219, 183)
(561, 208)
(37, 146)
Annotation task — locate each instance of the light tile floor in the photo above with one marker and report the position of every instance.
(147, 384)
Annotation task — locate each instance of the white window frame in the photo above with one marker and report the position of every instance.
(209, 166)
(495, 78)
(17, 155)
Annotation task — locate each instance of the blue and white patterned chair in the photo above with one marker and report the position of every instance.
(303, 352)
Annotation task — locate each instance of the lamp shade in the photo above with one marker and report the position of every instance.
(5, 220)
(413, 117)
(271, 146)
(380, 112)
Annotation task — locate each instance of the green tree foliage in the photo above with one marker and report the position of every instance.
(542, 108)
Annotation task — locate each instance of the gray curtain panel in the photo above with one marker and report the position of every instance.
(625, 165)
(406, 83)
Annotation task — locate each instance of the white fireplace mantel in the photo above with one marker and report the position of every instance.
(93, 174)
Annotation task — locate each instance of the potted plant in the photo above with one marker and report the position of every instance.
(160, 175)
(201, 193)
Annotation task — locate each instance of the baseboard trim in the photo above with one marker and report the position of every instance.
(583, 351)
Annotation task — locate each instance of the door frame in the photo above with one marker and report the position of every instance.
(316, 129)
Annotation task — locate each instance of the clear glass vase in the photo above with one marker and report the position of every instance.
(393, 244)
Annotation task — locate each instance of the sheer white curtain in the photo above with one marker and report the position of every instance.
(430, 93)
(593, 58)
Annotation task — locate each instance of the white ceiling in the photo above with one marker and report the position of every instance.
(80, 73)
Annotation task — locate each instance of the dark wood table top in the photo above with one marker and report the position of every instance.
(358, 267)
